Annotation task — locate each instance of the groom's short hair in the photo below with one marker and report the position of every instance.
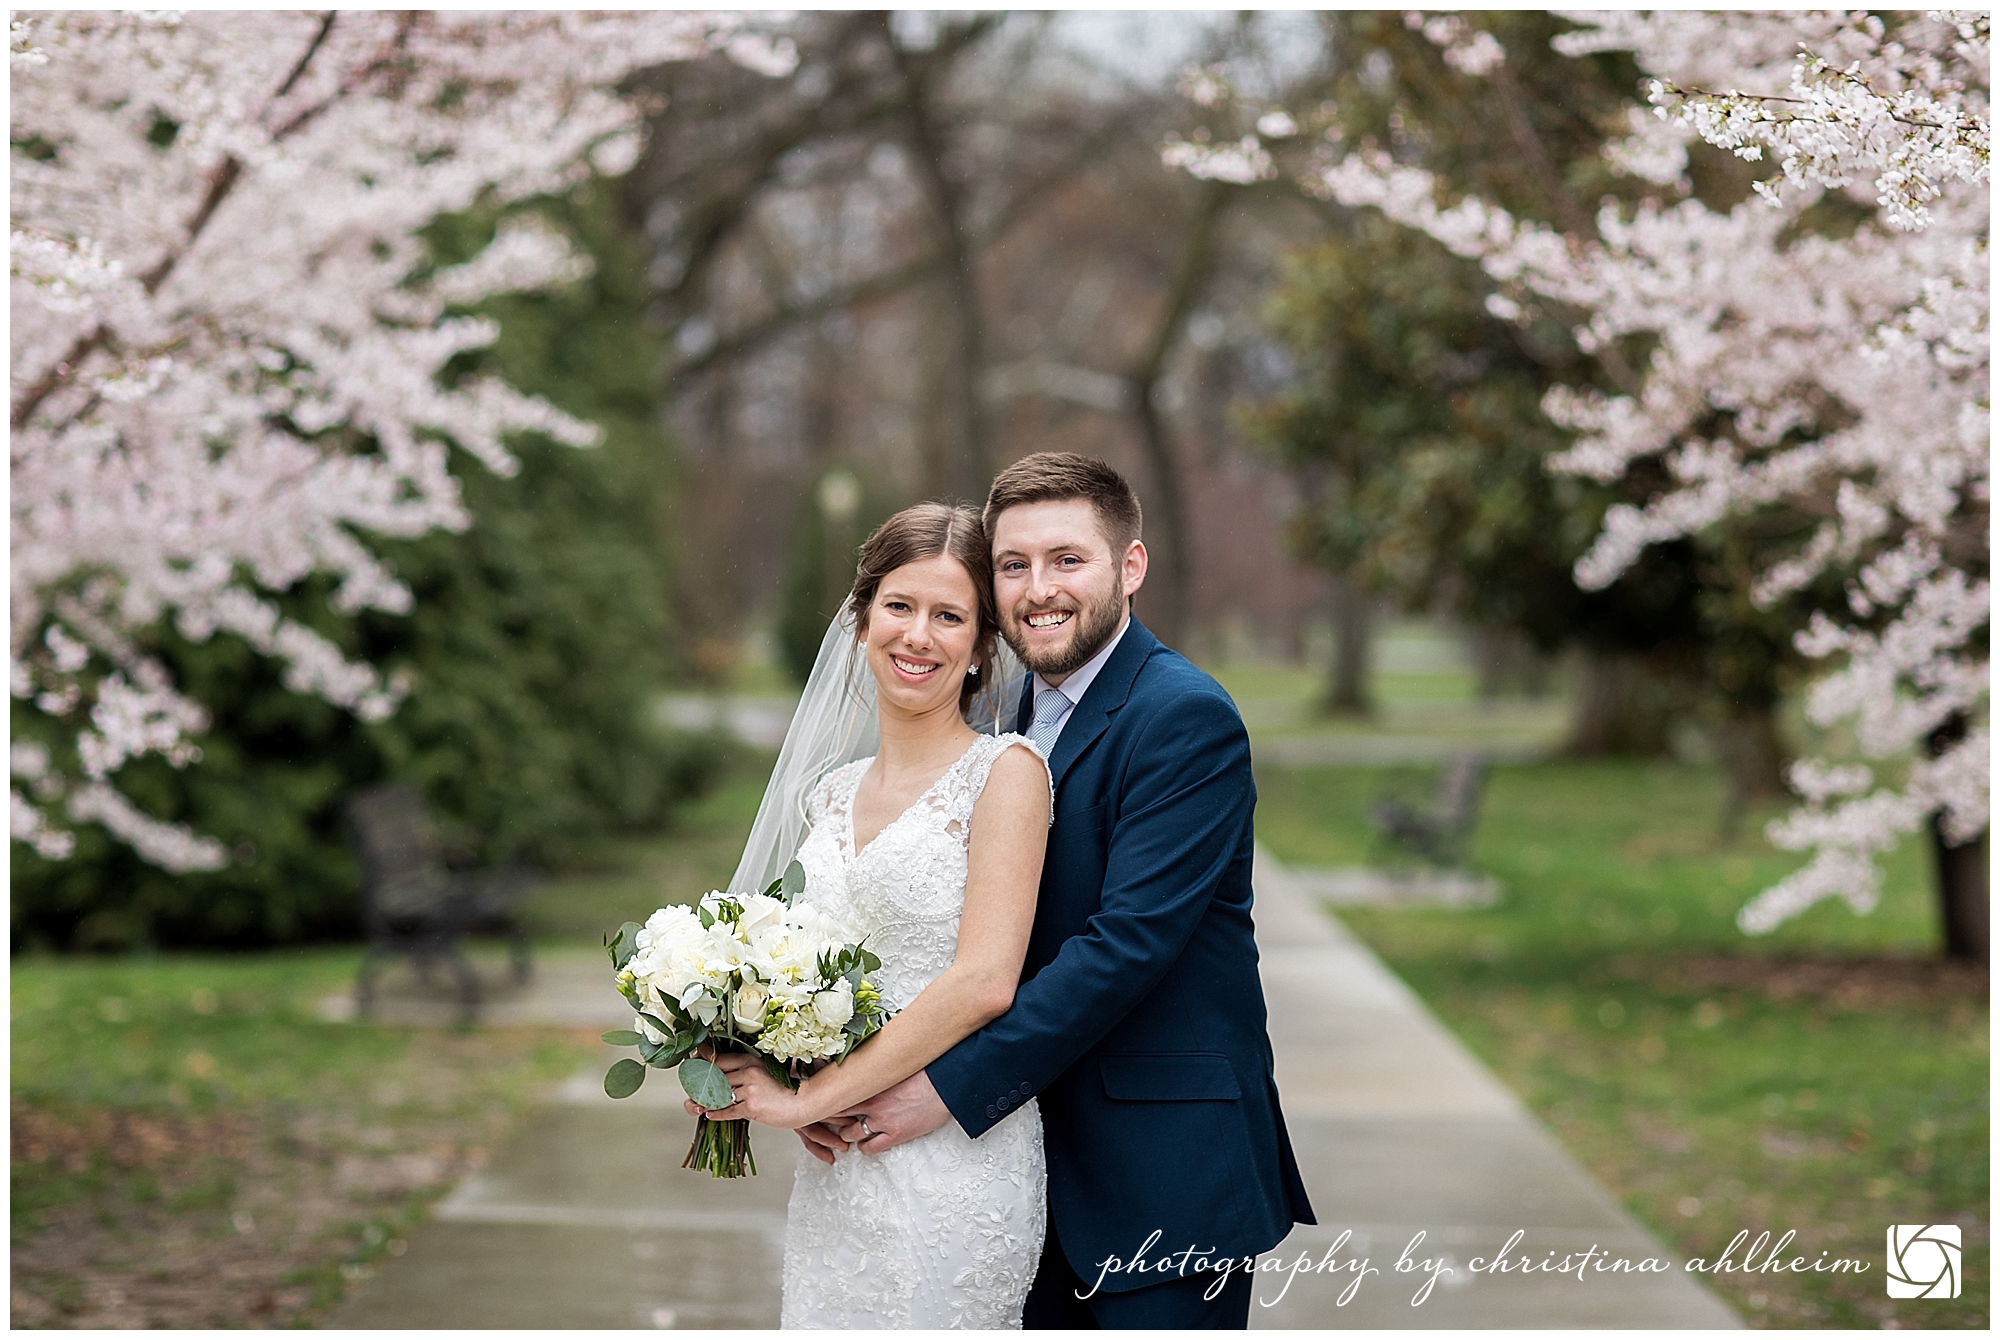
(1058, 476)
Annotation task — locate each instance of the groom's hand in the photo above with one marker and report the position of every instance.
(900, 1112)
(822, 1141)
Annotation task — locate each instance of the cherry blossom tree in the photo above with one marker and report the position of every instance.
(229, 350)
(1819, 349)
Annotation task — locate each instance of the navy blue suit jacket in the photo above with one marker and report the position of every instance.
(1140, 1021)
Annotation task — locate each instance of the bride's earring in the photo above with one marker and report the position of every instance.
(974, 670)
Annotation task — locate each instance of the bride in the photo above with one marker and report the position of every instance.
(931, 848)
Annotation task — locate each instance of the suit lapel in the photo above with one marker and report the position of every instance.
(1026, 716)
(1107, 693)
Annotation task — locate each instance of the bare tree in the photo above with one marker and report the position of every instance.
(986, 216)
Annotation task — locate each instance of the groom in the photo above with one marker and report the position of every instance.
(1139, 1022)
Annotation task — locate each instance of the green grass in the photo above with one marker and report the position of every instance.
(192, 1109)
(1826, 1078)
(162, 1103)
(1307, 686)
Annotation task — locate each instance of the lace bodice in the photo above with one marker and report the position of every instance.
(905, 889)
(944, 1231)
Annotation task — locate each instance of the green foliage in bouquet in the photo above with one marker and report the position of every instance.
(538, 639)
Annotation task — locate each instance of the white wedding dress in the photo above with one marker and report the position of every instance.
(944, 1231)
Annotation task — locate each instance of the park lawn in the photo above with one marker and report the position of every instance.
(193, 1147)
(1830, 1078)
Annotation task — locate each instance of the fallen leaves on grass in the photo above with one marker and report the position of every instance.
(234, 1219)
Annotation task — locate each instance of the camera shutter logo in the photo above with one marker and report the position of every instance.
(1924, 1260)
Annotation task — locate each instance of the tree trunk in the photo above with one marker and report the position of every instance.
(1347, 693)
(1622, 707)
(1753, 759)
(1489, 657)
(1506, 662)
(1167, 610)
(1961, 872)
(968, 468)
(1165, 596)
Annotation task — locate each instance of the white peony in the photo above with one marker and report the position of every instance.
(835, 1006)
(672, 925)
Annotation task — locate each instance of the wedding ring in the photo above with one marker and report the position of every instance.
(866, 1134)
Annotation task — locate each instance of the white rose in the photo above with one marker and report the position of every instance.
(652, 1034)
(750, 1002)
(758, 913)
(835, 1006)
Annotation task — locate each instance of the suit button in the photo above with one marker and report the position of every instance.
(1026, 1088)
(993, 1112)
(1004, 1104)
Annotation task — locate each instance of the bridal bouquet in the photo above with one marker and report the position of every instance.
(762, 973)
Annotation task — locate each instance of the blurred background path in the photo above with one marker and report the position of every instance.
(585, 1219)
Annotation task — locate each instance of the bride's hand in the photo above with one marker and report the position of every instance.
(759, 1097)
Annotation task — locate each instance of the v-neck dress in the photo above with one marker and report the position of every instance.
(944, 1231)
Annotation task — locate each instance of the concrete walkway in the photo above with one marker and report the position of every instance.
(1400, 1131)
(587, 1220)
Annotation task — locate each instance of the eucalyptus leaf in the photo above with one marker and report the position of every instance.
(622, 1037)
(624, 945)
(793, 881)
(706, 1082)
(664, 1029)
(624, 1078)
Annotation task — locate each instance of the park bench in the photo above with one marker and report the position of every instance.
(417, 900)
(1439, 834)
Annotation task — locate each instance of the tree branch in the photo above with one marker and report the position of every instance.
(867, 290)
(221, 182)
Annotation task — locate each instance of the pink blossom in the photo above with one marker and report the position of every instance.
(225, 354)
(1852, 370)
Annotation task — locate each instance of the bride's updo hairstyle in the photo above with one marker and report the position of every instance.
(929, 530)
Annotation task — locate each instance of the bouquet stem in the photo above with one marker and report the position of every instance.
(722, 1148)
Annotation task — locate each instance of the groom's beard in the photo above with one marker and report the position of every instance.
(1094, 623)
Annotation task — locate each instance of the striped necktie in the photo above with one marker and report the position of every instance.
(1050, 704)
